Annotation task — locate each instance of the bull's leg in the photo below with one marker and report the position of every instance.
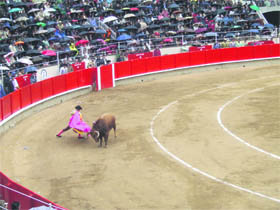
(100, 141)
(115, 130)
(106, 139)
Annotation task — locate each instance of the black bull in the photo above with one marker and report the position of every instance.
(102, 127)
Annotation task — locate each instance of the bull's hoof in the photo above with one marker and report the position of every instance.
(58, 136)
(81, 137)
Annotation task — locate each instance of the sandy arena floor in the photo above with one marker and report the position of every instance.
(218, 146)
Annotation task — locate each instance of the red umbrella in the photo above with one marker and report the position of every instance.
(81, 42)
(49, 52)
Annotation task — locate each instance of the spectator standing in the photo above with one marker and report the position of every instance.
(157, 52)
(8, 84)
(2, 91)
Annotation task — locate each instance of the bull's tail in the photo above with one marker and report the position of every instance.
(115, 129)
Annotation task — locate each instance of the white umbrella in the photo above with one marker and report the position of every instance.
(5, 19)
(42, 208)
(23, 18)
(25, 61)
(50, 10)
(129, 15)
(34, 10)
(4, 68)
(109, 19)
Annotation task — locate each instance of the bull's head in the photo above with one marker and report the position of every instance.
(94, 133)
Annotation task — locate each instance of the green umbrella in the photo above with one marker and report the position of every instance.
(255, 7)
(41, 24)
(15, 10)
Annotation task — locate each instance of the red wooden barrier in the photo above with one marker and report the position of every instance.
(36, 92)
(25, 96)
(16, 100)
(85, 77)
(197, 58)
(138, 67)
(47, 88)
(106, 76)
(228, 54)
(213, 56)
(1, 112)
(261, 51)
(6, 106)
(167, 62)
(153, 64)
(72, 80)
(59, 84)
(182, 59)
(122, 69)
(244, 53)
(274, 50)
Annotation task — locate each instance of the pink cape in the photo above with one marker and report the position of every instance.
(77, 123)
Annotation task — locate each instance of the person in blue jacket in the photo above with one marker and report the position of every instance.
(2, 91)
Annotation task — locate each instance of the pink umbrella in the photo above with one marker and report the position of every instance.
(81, 42)
(168, 40)
(49, 52)
(134, 9)
(102, 41)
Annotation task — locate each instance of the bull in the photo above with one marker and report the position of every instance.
(102, 127)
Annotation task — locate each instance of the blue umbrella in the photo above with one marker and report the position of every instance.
(268, 25)
(256, 31)
(123, 37)
(30, 69)
(122, 30)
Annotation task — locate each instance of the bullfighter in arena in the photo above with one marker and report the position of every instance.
(77, 124)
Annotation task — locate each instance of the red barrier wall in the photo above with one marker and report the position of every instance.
(153, 64)
(47, 88)
(16, 100)
(167, 62)
(72, 80)
(197, 58)
(213, 56)
(182, 59)
(245, 53)
(59, 84)
(138, 67)
(1, 113)
(106, 76)
(122, 69)
(25, 96)
(36, 92)
(6, 106)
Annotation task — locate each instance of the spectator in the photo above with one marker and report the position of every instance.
(8, 84)
(157, 52)
(2, 91)
(33, 77)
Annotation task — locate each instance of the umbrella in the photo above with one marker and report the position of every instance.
(50, 10)
(15, 10)
(30, 69)
(30, 40)
(211, 34)
(168, 40)
(100, 31)
(33, 10)
(134, 9)
(4, 68)
(41, 24)
(19, 42)
(124, 37)
(129, 15)
(82, 42)
(33, 52)
(25, 61)
(49, 52)
(22, 18)
(255, 7)
(268, 25)
(109, 19)
(5, 19)
(200, 30)
(173, 6)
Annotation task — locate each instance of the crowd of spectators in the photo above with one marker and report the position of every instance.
(40, 31)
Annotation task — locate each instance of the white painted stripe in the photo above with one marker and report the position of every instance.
(196, 169)
(219, 113)
(98, 78)
(113, 75)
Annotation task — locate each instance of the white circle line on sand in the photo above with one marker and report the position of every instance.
(220, 122)
(196, 169)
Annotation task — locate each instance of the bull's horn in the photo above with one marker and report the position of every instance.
(97, 132)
